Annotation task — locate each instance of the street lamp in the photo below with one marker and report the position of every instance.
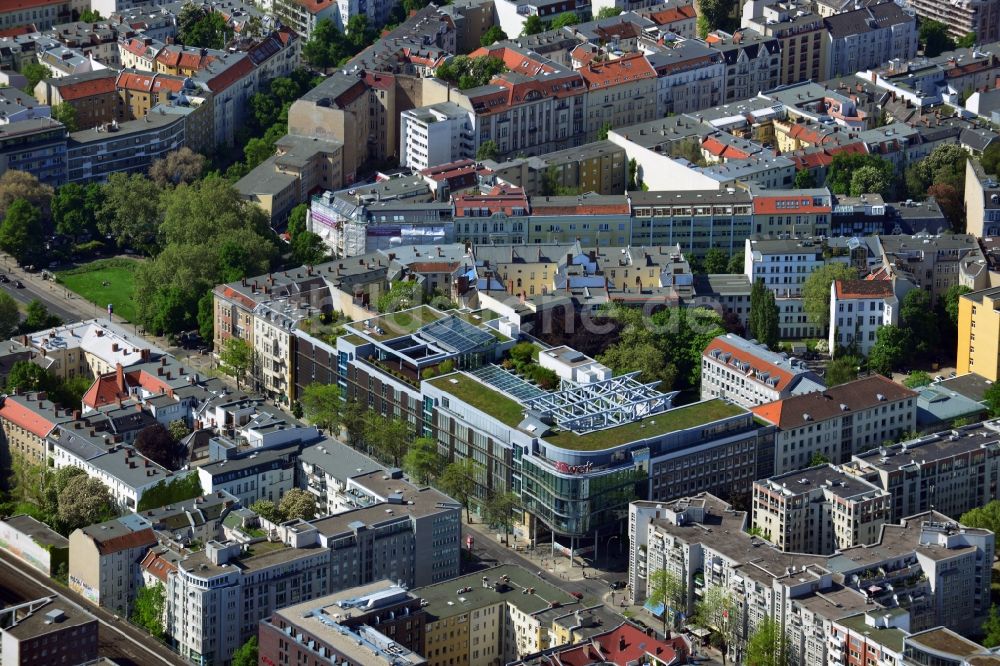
(607, 547)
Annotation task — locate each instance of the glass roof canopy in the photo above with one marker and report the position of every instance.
(602, 404)
(455, 335)
(508, 382)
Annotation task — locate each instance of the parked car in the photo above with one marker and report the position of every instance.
(18, 284)
(4, 279)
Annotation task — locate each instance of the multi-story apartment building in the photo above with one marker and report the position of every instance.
(37, 146)
(511, 14)
(380, 624)
(749, 374)
(936, 262)
(690, 77)
(858, 308)
(979, 333)
(326, 470)
(753, 62)
(952, 471)
(104, 558)
(982, 201)
(868, 37)
(819, 510)
(926, 565)
(695, 220)
(128, 147)
(42, 14)
(435, 135)
(50, 630)
(26, 420)
(91, 95)
(599, 166)
(801, 34)
(839, 422)
(260, 475)
(400, 532)
(784, 265)
(628, 85)
(90, 348)
(981, 17)
(215, 598)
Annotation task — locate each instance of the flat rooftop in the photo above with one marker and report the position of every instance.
(37, 618)
(890, 637)
(828, 477)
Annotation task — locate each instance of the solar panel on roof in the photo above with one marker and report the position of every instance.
(455, 334)
(509, 383)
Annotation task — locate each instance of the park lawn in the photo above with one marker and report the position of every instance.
(88, 281)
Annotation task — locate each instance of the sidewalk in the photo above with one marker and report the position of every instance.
(540, 557)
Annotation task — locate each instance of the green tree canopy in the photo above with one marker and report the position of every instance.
(841, 370)
(176, 167)
(422, 460)
(459, 481)
(21, 233)
(715, 262)
(804, 179)
(951, 300)
(321, 405)
(992, 399)
(492, 36)
(236, 359)
(916, 379)
(297, 503)
(488, 150)
(666, 589)
(500, 511)
(934, 39)
(147, 610)
(763, 319)
(602, 133)
(75, 208)
(403, 294)
(85, 502)
(991, 628)
(991, 159)
(919, 318)
(10, 320)
(34, 72)
(816, 291)
(984, 517)
(16, 185)
(37, 317)
(66, 114)
(840, 176)
(389, 437)
(246, 654)
(564, 20)
(532, 25)
(945, 164)
(267, 510)
(91, 16)
(735, 264)
(202, 27)
(717, 15)
(130, 212)
(890, 349)
(608, 12)
(767, 645)
(871, 180)
(466, 72)
(170, 491)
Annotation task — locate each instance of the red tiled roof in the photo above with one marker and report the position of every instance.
(18, 31)
(125, 541)
(380, 80)
(720, 350)
(23, 416)
(83, 89)
(17, 5)
(157, 566)
(674, 14)
(135, 46)
(765, 205)
(175, 56)
(624, 645)
(632, 67)
(864, 289)
(242, 299)
(149, 82)
(434, 266)
(500, 198)
(315, 6)
(231, 75)
(723, 150)
(822, 405)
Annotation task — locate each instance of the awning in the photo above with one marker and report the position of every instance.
(700, 632)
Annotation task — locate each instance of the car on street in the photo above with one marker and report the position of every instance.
(4, 279)
(18, 284)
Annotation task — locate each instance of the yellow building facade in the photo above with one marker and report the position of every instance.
(979, 333)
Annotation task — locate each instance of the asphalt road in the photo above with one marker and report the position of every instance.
(53, 297)
(117, 639)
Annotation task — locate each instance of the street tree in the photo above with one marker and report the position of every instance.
(321, 405)
(916, 379)
(500, 511)
(353, 418)
(37, 317)
(717, 613)
(21, 233)
(10, 317)
(297, 503)
(422, 460)
(666, 589)
(246, 654)
(389, 437)
(459, 481)
(75, 208)
(992, 399)
(16, 185)
(236, 359)
(816, 291)
(767, 645)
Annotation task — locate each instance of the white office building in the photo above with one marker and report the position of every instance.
(436, 134)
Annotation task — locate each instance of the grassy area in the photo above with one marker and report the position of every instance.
(480, 396)
(681, 418)
(89, 282)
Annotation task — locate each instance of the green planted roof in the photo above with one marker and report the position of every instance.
(681, 418)
(481, 396)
